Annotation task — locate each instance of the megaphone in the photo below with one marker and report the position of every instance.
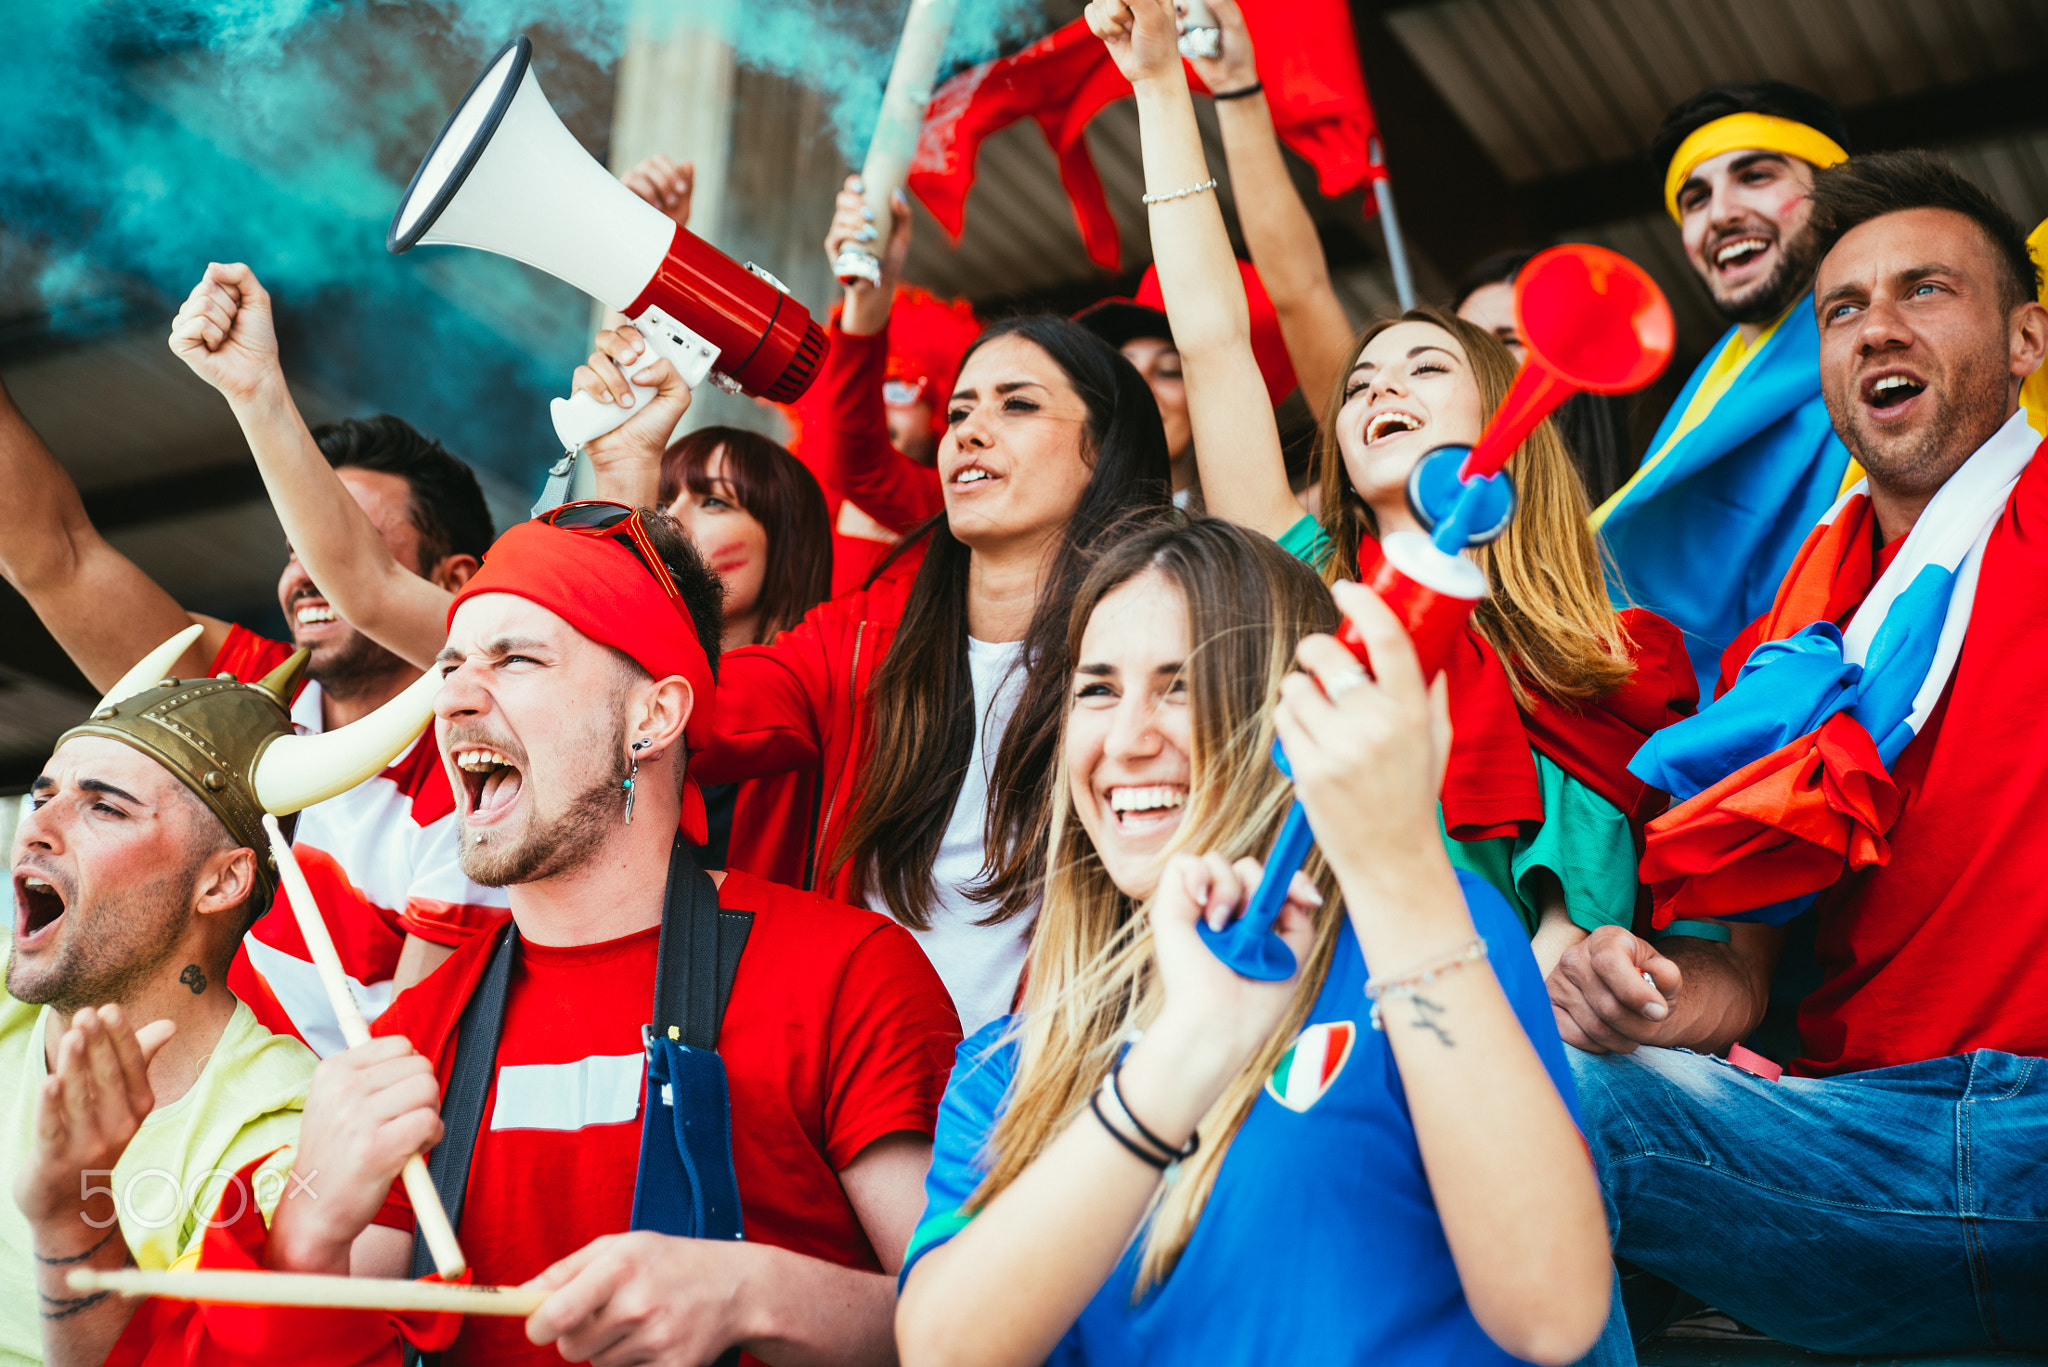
(1592, 320)
(505, 176)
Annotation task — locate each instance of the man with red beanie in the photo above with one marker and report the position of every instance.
(869, 426)
(743, 1076)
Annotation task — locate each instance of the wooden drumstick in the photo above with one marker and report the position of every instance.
(307, 1290)
(419, 1186)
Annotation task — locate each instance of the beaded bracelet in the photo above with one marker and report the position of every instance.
(1170, 195)
(1402, 986)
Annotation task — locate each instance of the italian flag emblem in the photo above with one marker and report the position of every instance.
(1311, 1064)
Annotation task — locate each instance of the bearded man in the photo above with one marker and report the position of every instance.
(380, 856)
(1876, 754)
(1746, 461)
(138, 870)
(577, 677)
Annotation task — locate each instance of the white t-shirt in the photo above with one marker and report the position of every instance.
(979, 964)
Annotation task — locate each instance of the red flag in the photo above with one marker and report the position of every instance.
(1307, 58)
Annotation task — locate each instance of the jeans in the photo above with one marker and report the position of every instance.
(1894, 1211)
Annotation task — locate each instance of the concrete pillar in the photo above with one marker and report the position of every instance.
(767, 168)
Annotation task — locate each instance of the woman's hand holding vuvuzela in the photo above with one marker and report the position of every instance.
(1523, 1220)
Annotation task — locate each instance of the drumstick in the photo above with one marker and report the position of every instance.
(304, 1289)
(419, 1186)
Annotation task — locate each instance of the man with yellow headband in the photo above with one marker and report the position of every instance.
(1746, 461)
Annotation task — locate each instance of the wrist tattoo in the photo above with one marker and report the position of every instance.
(112, 1230)
(67, 1306)
(194, 978)
(1426, 1014)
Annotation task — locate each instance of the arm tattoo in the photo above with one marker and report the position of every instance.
(1426, 1018)
(81, 1257)
(194, 978)
(70, 1305)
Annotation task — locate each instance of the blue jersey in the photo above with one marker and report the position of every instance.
(1320, 1242)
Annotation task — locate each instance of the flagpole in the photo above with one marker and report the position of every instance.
(1390, 225)
(894, 144)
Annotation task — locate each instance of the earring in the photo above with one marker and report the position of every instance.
(634, 756)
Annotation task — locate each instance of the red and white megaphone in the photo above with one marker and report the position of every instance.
(1591, 320)
(506, 176)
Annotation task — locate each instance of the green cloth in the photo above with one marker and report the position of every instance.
(1305, 542)
(1585, 843)
(1584, 840)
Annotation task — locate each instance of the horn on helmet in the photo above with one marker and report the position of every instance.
(294, 772)
(151, 668)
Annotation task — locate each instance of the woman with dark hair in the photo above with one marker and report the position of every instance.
(905, 697)
(757, 517)
(1594, 426)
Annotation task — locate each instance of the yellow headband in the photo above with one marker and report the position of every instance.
(1739, 131)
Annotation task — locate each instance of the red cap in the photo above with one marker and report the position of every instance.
(927, 338)
(1268, 347)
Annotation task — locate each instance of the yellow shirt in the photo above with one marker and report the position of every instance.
(246, 1102)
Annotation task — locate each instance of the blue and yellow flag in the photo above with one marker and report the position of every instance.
(1707, 528)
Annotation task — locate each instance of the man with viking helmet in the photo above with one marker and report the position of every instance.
(141, 1088)
(381, 856)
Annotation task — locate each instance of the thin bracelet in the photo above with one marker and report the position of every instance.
(1254, 88)
(1143, 1155)
(1170, 195)
(1400, 987)
(1116, 1088)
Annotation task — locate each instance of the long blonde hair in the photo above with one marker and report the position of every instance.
(1092, 979)
(1548, 616)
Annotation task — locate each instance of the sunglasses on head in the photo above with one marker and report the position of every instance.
(603, 518)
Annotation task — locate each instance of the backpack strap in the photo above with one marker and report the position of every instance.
(699, 954)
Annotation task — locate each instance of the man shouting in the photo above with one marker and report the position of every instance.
(578, 675)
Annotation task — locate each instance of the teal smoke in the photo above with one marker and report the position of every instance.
(145, 138)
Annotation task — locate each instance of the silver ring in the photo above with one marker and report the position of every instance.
(1345, 683)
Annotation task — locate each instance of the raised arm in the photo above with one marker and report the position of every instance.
(1524, 1221)
(1237, 444)
(846, 426)
(226, 333)
(73, 579)
(1276, 225)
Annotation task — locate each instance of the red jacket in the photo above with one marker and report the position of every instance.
(843, 437)
(800, 703)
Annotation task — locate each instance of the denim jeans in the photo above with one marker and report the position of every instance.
(1894, 1211)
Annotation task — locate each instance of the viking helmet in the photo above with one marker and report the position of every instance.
(233, 744)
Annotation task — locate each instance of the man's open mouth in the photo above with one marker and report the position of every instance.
(490, 780)
(38, 905)
(1889, 395)
(1733, 255)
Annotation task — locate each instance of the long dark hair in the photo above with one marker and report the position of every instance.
(922, 737)
(778, 492)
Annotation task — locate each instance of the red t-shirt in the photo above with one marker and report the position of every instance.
(838, 1032)
(1936, 951)
(383, 860)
